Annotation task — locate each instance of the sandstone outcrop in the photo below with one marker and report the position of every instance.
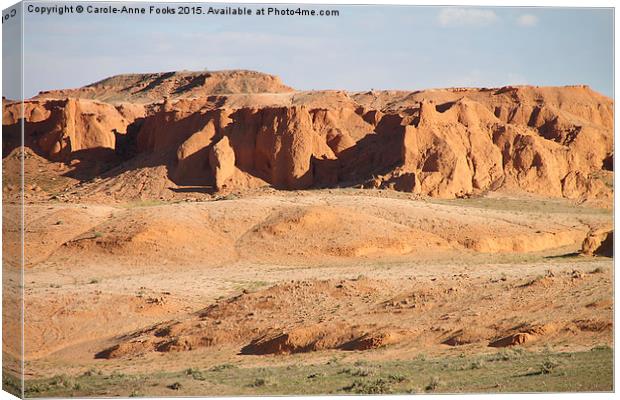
(222, 161)
(62, 129)
(235, 129)
(599, 242)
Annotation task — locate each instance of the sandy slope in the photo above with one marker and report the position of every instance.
(308, 272)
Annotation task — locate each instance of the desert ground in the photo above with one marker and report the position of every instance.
(221, 233)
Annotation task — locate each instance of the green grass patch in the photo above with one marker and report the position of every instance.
(249, 285)
(148, 203)
(11, 384)
(503, 371)
(559, 206)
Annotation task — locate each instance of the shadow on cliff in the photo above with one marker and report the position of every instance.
(376, 153)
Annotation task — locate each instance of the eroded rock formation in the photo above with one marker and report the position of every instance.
(231, 130)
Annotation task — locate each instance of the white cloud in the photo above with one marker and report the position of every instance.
(466, 17)
(527, 20)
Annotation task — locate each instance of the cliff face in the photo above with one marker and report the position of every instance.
(61, 129)
(251, 130)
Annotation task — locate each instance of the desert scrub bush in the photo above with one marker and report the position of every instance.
(446, 366)
(548, 366)
(259, 382)
(397, 378)
(506, 355)
(117, 375)
(33, 388)
(545, 368)
(433, 384)
(476, 364)
(375, 386)
(355, 371)
(546, 349)
(175, 386)
(230, 196)
(360, 372)
(62, 381)
(92, 372)
(195, 374)
(333, 361)
(222, 367)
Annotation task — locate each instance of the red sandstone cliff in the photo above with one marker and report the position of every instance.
(232, 130)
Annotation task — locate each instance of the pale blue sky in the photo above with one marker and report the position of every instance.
(380, 47)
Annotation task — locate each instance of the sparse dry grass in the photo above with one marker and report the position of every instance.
(506, 371)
